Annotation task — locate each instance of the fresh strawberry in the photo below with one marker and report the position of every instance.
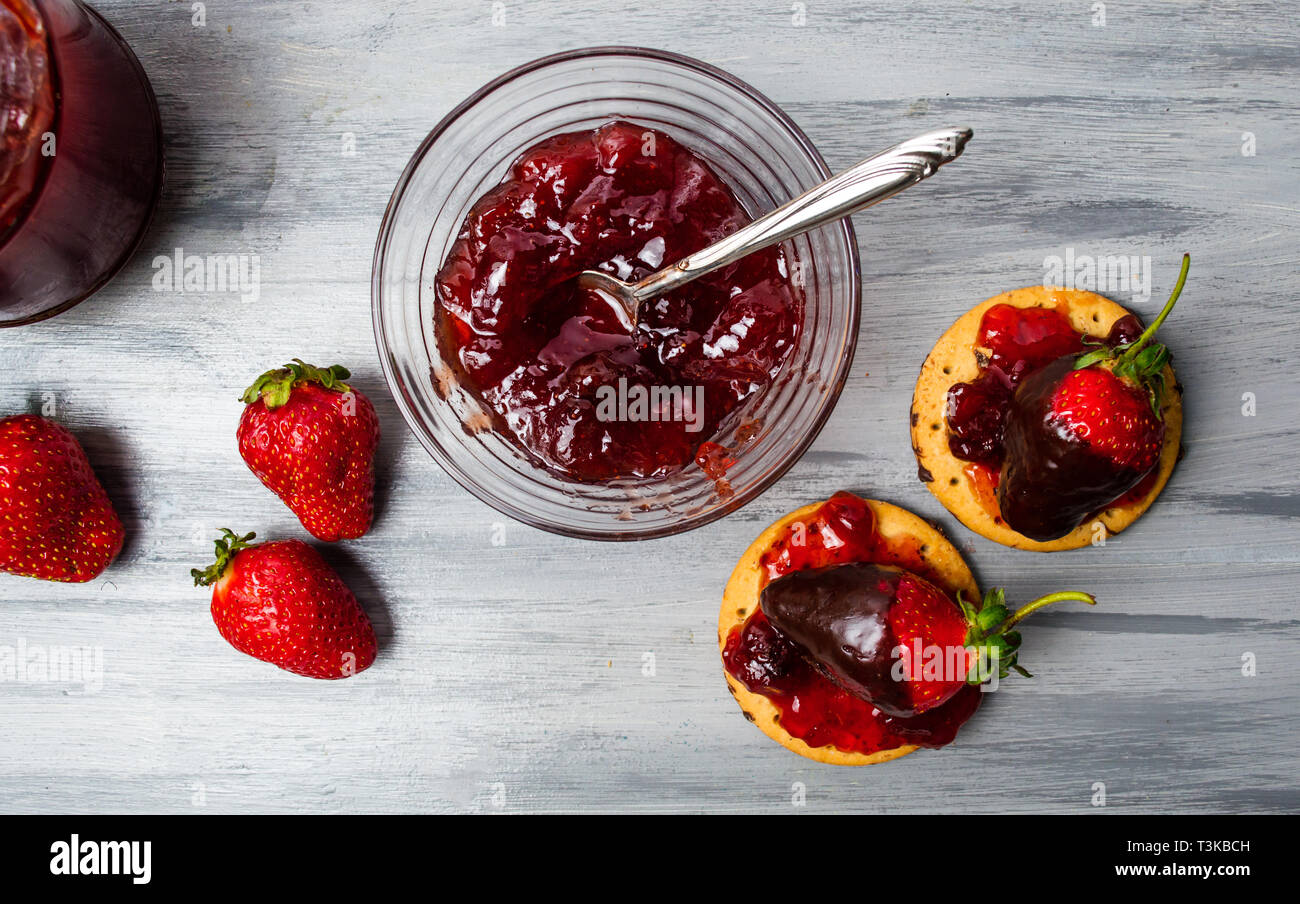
(894, 639)
(280, 603)
(1111, 415)
(311, 439)
(56, 521)
(1083, 431)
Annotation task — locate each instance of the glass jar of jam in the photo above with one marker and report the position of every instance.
(81, 156)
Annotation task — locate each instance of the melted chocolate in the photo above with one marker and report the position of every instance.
(811, 706)
(837, 616)
(1051, 481)
(1021, 341)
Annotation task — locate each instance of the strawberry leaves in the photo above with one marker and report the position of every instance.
(989, 630)
(275, 386)
(226, 545)
(1139, 361)
(1146, 369)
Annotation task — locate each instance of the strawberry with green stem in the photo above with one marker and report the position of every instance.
(1083, 431)
(990, 634)
(311, 439)
(895, 639)
(281, 603)
(1141, 362)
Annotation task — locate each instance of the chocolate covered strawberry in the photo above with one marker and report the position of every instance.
(281, 603)
(1083, 431)
(56, 521)
(894, 639)
(311, 438)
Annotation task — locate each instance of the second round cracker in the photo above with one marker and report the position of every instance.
(741, 598)
(952, 360)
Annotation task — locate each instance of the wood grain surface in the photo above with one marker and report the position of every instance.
(545, 674)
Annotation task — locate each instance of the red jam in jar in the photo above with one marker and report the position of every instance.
(27, 108)
(552, 362)
(81, 156)
(813, 708)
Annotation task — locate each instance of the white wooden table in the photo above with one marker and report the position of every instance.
(512, 677)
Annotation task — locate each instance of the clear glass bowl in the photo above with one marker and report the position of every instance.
(751, 144)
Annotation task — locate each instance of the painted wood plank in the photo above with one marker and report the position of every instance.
(512, 676)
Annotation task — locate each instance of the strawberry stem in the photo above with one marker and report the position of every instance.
(989, 629)
(226, 545)
(1139, 362)
(1031, 608)
(1130, 351)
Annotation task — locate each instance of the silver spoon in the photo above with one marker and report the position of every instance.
(869, 182)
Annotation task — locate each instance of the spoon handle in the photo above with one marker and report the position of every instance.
(869, 182)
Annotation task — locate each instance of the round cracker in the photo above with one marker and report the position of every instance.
(952, 360)
(741, 598)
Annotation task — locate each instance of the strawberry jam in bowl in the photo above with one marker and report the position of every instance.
(531, 392)
(542, 353)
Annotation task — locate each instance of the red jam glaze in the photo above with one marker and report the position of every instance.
(27, 109)
(814, 708)
(984, 485)
(1020, 341)
(975, 413)
(714, 460)
(538, 351)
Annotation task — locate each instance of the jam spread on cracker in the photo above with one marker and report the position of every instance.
(814, 706)
(1014, 347)
(1019, 342)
